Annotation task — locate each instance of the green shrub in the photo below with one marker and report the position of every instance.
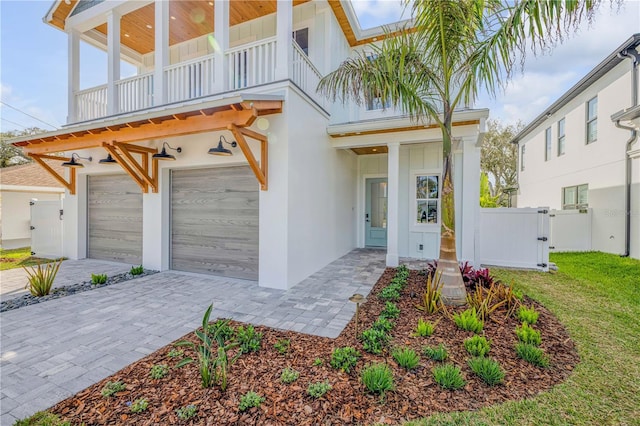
(42, 418)
(317, 362)
(527, 334)
(383, 324)
(97, 279)
(111, 388)
(289, 375)
(468, 321)
(438, 353)
(390, 311)
(40, 278)
(137, 270)
(187, 412)
(448, 376)
(402, 272)
(250, 400)
(175, 353)
(390, 292)
(221, 329)
(373, 341)
(377, 378)
(159, 371)
(477, 345)
(487, 369)
(344, 358)
(248, 339)
(318, 389)
(406, 358)
(528, 315)
(424, 328)
(282, 346)
(532, 354)
(139, 405)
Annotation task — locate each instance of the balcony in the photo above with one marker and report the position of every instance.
(246, 66)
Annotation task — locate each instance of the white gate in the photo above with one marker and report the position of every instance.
(570, 230)
(516, 238)
(46, 229)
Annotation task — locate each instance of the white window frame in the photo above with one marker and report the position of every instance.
(547, 144)
(414, 188)
(577, 205)
(562, 136)
(591, 120)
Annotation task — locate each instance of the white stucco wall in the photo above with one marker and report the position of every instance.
(15, 218)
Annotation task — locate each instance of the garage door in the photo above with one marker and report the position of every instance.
(214, 221)
(114, 222)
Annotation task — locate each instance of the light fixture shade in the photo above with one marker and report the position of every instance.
(162, 155)
(72, 163)
(220, 150)
(108, 160)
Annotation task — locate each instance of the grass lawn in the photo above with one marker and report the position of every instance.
(17, 258)
(597, 297)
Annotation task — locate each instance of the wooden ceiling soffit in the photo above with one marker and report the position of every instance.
(139, 171)
(371, 150)
(260, 170)
(71, 184)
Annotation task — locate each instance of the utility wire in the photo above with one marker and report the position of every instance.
(25, 113)
(13, 122)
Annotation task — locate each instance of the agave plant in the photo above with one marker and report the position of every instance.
(41, 278)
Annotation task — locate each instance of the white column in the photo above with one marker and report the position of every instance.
(393, 186)
(221, 35)
(113, 61)
(470, 208)
(284, 30)
(161, 58)
(73, 38)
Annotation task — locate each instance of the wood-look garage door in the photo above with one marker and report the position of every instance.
(114, 225)
(214, 221)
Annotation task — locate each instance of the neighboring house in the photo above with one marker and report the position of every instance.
(19, 185)
(303, 181)
(574, 155)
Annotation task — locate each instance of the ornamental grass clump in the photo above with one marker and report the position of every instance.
(406, 357)
(137, 270)
(424, 328)
(487, 369)
(40, 278)
(527, 334)
(448, 376)
(377, 378)
(438, 353)
(477, 346)
(528, 315)
(431, 297)
(97, 279)
(344, 358)
(532, 354)
(468, 321)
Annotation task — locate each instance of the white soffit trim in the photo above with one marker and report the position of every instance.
(361, 34)
(26, 188)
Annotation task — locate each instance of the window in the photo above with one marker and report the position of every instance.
(547, 144)
(592, 120)
(561, 137)
(575, 197)
(427, 198)
(373, 101)
(522, 158)
(301, 37)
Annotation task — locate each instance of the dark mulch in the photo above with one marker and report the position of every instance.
(415, 395)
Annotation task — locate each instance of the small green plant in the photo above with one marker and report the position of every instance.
(528, 315)
(41, 278)
(402, 272)
(477, 345)
(487, 369)
(175, 353)
(431, 297)
(318, 389)
(222, 329)
(344, 358)
(289, 375)
(250, 400)
(438, 353)
(390, 311)
(282, 346)
(383, 324)
(139, 405)
(317, 362)
(248, 339)
(527, 334)
(468, 320)
(111, 388)
(42, 418)
(187, 412)
(406, 357)
(136, 270)
(390, 292)
(448, 376)
(377, 378)
(424, 328)
(373, 340)
(159, 371)
(97, 279)
(532, 354)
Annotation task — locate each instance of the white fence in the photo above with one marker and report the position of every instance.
(516, 238)
(570, 230)
(190, 79)
(135, 93)
(91, 103)
(46, 229)
(252, 64)
(306, 75)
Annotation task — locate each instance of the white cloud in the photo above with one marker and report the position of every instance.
(372, 13)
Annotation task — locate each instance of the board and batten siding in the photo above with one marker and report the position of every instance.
(214, 221)
(114, 209)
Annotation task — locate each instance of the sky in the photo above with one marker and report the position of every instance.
(33, 63)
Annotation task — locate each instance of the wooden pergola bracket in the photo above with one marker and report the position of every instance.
(260, 170)
(71, 185)
(122, 153)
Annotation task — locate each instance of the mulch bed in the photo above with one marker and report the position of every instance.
(416, 394)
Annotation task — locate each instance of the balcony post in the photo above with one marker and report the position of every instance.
(393, 203)
(221, 36)
(161, 59)
(73, 37)
(113, 61)
(284, 31)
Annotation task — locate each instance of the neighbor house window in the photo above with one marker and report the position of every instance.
(561, 137)
(592, 120)
(575, 197)
(301, 37)
(522, 158)
(427, 198)
(547, 144)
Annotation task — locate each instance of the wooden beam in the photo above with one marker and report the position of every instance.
(143, 170)
(71, 185)
(260, 170)
(127, 168)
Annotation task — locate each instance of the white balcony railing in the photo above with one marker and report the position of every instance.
(135, 93)
(251, 64)
(91, 103)
(305, 75)
(191, 79)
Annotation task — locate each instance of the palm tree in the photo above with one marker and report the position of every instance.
(455, 49)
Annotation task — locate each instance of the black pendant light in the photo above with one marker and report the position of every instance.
(221, 150)
(108, 160)
(75, 164)
(162, 155)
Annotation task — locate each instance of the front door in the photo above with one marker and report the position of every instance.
(375, 219)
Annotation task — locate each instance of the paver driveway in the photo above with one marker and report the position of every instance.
(52, 350)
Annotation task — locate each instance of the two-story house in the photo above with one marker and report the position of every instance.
(582, 153)
(219, 157)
